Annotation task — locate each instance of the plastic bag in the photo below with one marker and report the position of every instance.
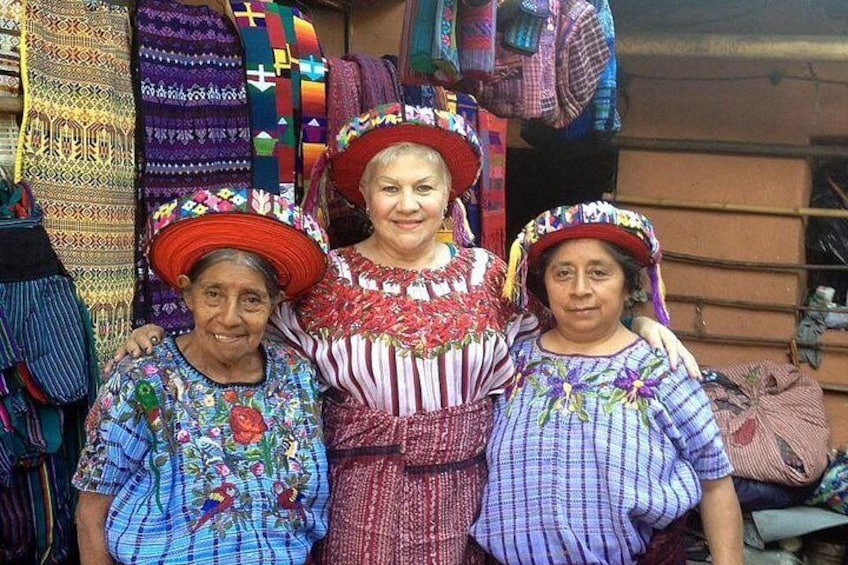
(827, 238)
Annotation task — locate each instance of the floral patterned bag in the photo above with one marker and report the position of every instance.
(832, 491)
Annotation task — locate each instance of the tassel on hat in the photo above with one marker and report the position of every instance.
(515, 285)
(658, 294)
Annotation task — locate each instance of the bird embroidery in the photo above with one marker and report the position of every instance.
(289, 498)
(145, 396)
(220, 499)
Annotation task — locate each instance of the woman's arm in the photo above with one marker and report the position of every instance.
(722, 521)
(662, 338)
(91, 528)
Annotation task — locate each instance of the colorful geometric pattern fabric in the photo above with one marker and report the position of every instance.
(194, 122)
(10, 47)
(493, 131)
(204, 472)
(633, 437)
(243, 201)
(77, 149)
(273, 91)
(286, 86)
(312, 111)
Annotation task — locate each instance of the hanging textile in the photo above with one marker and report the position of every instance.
(492, 131)
(46, 370)
(477, 39)
(344, 95)
(466, 106)
(272, 82)
(286, 89)
(313, 97)
(194, 126)
(10, 47)
(77, 149)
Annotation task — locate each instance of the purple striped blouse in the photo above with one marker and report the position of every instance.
(590, 455)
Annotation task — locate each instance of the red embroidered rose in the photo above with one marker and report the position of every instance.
(231, 396)
(247, 424)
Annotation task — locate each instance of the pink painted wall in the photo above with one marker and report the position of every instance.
(791, 112)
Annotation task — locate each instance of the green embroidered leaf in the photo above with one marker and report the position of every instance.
(544, 417)
(618, 395)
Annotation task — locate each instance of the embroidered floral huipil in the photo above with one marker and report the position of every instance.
(406, 341)
(590, 455)
(208, 473)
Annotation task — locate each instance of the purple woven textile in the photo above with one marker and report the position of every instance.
(193, 121)
(344, 95)
(582, 56)
(377, 84)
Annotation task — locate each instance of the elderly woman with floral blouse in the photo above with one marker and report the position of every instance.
(411, 337)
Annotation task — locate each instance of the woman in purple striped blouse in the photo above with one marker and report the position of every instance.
(598, 444)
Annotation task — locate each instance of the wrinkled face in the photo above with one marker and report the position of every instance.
(406, 201)
(230, 305)
(586, 290)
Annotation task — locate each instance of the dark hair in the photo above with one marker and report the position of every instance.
(246, 258)
(632, 270)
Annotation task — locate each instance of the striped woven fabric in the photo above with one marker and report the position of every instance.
(194, 122)
(477, 39)
(404, 490)
(77, 149)
(16, 535)
(312, 111)
(10, 47)
(772, 418)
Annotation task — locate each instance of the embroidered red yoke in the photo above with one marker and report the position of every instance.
(405, 341)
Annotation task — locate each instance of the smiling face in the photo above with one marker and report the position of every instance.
(586, 290)
(406, 197)
(231, 305)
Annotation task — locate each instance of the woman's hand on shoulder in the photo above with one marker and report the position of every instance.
(140, 342)
(663, 339)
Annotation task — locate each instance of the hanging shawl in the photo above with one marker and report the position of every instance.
(390, 61)
(10, 48)
(378, 87)
(477, 39)
(312, 109)
(344, 97)
(272, 80)
(83, 172)
(195, 126)
(492, 131)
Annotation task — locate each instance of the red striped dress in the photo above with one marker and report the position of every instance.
(410, 358)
